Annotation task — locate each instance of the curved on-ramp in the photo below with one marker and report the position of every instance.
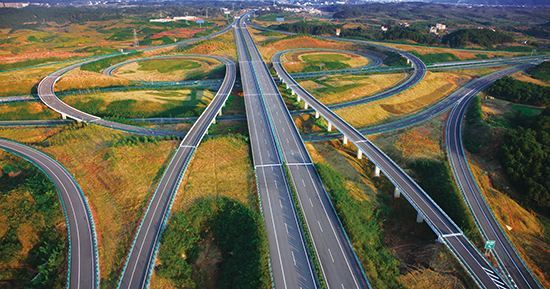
(509, 260)
(83, 269)
(140, 260)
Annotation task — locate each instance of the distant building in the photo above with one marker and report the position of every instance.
(13, 4)
(404, 24)
(186, 18)
(161, 20)
(440, 26)
(433, 30)
(280, 19)
(338, 31)
(384, 28)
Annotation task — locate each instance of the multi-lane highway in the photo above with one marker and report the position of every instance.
(140, 261)
(509, 259)
(83, 269)
(447, 231)
(340, 267)
(290, 263)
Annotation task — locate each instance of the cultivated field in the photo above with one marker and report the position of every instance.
(223, 45)
(305, 61)
(83, 79)
(167, 69)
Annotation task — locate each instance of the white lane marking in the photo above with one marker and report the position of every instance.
(320, 227)
(330, 253)
(281, 205)
(451, 235)
(303, 183)
(310, 202)
(293, 258)
(286, 227)
(267, 165)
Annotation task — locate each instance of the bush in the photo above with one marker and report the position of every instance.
(541, 71)
(233, 228)
(477, 133)
(307, 27)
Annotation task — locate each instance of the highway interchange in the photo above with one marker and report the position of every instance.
(284, 171)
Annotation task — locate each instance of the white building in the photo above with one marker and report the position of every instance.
(161, 20)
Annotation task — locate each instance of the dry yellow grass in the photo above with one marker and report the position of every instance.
(294, 61)
(427, 278)
(22, 81)
(223, 45)
(459, 53)
(26, 111)
(524, 77)
(351, 86)
(418, 143)
(523, 228)
(153, 96)
(116, 180)
(83, 79)
(431, 89)
(132, 70)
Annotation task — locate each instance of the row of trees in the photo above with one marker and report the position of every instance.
(483, 37)
(517, 91)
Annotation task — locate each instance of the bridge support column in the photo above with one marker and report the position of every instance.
(220, 112)
(345, 140)
(376, 171)
(306, 106)
(317, 114)
(359, 154)
(298, 98)
(287, 87)
(408, 61)
(419, 218)
(329, 128)
(63, 116)
(214, 120)
(292, 92)
(396, 193)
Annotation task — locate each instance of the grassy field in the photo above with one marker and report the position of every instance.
(23, 81)
(221, 168)
(438, 54)
(82, 79)
(117, 180)
(143, 103)
(300, 61)
(33, 236)
(168, 69)
(223, 45)
(339, 88)
(431, 89)
(527, 78)
(26, 111)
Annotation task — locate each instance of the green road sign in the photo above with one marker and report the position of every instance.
(489, 245)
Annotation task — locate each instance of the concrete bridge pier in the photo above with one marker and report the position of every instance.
(329, 127)
(292, 92)
(63, 116)
(396, 193)
(298, 98)
(376, 171)
(213, 120)
(408, 61)
(359, 154)
(345, 140)
(419, 218)
(317, 114)
(220, 112)
(306, 105)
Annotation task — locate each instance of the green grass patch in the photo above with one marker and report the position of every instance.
(215, 237)
(541, 71)
(318, 62)
(168, 65)
(436, 57)
(363, 223)
(99, 65)
(527, 111)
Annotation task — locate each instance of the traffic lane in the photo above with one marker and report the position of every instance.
(139, 263)
(292, 262)
(337, 259)
(471, 258)
(83, 260)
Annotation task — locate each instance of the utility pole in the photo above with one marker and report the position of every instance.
(136, 40)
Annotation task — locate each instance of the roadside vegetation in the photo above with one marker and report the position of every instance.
(107, 170)
(33, 236)
(307, 61)
(509, 159)
(26, 111)
(517, 91)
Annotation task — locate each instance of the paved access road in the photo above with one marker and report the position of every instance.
(509, 259)
(140, 261)
(290, 263)
(83, 272)
(447, 231)
(340, 267)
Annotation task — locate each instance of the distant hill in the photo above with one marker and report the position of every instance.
(496, 2)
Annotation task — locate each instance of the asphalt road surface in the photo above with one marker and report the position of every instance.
(290, 263)
(83, 260)
(340, 267)
(447, 231)
(509, 259)
(140, 261)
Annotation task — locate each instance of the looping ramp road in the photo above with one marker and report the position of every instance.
(139, 262)
(83, 272)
